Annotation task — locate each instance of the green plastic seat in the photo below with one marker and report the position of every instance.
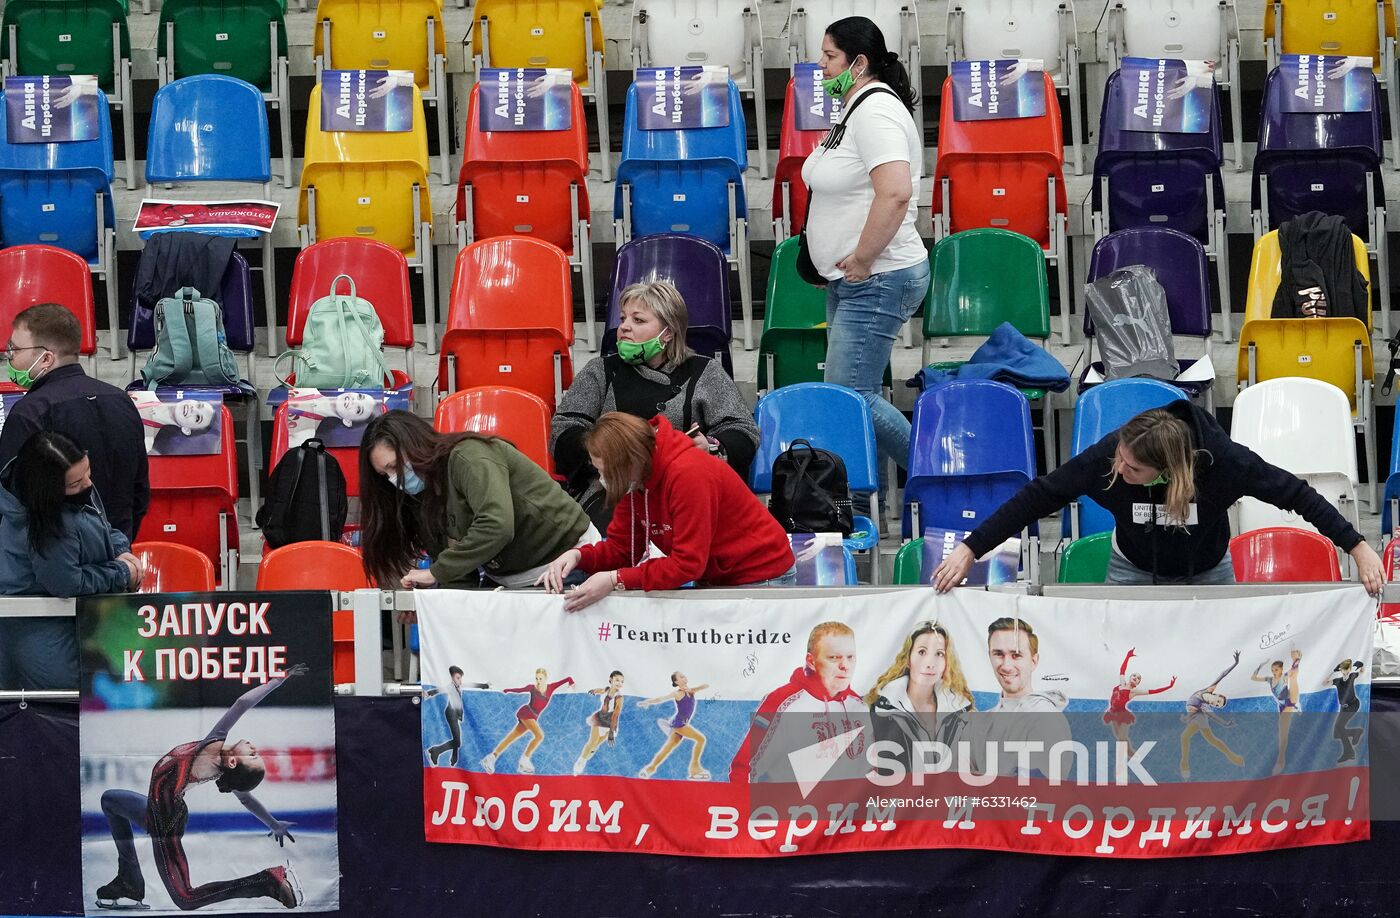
(66, 37)
(908, 563)
(228, 37)
(794, 324)
(1086, 560)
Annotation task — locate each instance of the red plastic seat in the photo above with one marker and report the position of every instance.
(347, 456)
(518, 416)
(794, 147)
(1389, 610)
(1281, 554)
(320, 566)
(33, 274)
(174, 568)
(531, 183)
(536, 360)
(511, 282)
(191, 496)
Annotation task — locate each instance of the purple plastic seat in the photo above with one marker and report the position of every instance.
(697, 269)
(1319, 161)
(1155, 179)
(236, 298)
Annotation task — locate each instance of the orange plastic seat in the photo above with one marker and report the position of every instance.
(514, 414)
(511, 282)
(33, 274)
(789, 191)
(1284, 555)
(536, 360)
(320, 566)
(174, 568)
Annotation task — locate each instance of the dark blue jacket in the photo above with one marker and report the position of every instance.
(82, 560)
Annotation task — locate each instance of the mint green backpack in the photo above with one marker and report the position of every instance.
(342, 346)
(191, 349)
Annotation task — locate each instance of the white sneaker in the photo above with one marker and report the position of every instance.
(579, 765)
(488, 764)
(527, 767)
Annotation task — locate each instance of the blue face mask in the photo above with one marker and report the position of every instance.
(409, 483)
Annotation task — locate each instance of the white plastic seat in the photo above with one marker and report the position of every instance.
(1035, 29)
(1193, 30)
(698, 33)
(1304, 426)
(897, 20)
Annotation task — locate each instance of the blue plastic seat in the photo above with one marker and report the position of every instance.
(830, 417)
(56, 208)
(689, 144)
(971, 448)
(694, 267)
(1392, 484)
(208, 128)
(1100, 411)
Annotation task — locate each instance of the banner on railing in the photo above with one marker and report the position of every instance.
(886, 720)
(208, 752)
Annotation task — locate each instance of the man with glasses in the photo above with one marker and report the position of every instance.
(42, 358)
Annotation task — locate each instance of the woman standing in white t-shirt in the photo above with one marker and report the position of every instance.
(864, 183)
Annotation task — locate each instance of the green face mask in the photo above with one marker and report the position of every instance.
(840, 84)
(1159, 480)
(640, 351)
(22, 378)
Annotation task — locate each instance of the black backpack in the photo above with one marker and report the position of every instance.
(306, 498)
(810, 493)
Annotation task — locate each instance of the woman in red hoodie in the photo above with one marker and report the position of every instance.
(691, 506)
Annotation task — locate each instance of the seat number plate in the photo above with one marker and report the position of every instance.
(678, 198)
(1317, 186)
(537, 32)
(1158, 189)
(65, 38)
(998, 192)
(522, 199)
(47, 208)
(504, 368)
(221, 36)
(364, 201)
(379, 34)
(168, 527)
(1304, 359)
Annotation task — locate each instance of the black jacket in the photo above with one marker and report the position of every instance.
(174, 260)
(101, 419)
(1316, 251)
(1225, 472)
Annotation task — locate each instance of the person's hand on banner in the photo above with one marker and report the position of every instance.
(589, 592)
(954, 568)
(707, 77)
(394, 79)
(1199, 75)
(281, 832)
(418, 580)
(1022, 66)
(79, 87)
(553, 577)
(543, 84)
(1368, 567)
(1347, 65)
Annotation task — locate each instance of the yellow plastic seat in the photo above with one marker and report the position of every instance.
(1339, 27)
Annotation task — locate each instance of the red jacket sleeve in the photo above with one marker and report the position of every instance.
(693, 502)
(611, 553)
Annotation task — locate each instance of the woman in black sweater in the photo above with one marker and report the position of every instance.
(1168, 476)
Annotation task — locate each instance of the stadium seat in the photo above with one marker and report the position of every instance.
(370, 186)
(1390, 501)
(60, 195)
(1328, 162)
(534, 359)
(194, 501)
(1281, 554)
(908, 563)
(1180, 266)
(347, 456)
(532, 183)
(1193, 30)
(380, 273)
(213, 128)
(390, 35)
(321, 566)
(792, 348)
(691, 182)
(1086, 560)
(1036, 29)
(173, 568)
(566, 34)
(514, 414)
(1164, 180)
(1335, 350)
(66, 37)
(1007, 174)
(1364, 28)
(1303, 426)
(244, 39)
(694, 267)
(706, 33)
(789, 191)
(898, 21)
(33, 274)
(971, 448)
(509, 282)
(1100, 411)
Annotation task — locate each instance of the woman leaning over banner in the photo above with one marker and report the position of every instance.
(864, 181)
(653, 372)
(54, 541)
(681, 501)
(474, 504)
(1169, 477)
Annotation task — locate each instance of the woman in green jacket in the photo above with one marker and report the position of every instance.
(472, 503)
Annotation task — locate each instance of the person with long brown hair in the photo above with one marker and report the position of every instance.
(1169, 476)
(698, 514)
(912, 700)
(469, 502)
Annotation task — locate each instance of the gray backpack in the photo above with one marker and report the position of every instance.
(191, 348)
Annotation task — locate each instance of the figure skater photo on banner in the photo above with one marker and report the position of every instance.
(452, 713)
(1119, 719)
(337, 420)
(602, 723)
(235, 768)
(922, 697)
(1284, 688)
(1343, 679)
(678, 728)
(1202, 708)
(527, 720)
(178, 426)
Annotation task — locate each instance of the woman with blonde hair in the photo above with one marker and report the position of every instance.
(1169, 476)
(912, 700)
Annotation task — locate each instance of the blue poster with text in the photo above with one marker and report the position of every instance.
(1327, 83)
(1166, 96)
(51, 109)
(367, 100)
(995, 90)
(679, 98)
(814, 110)
(525, 99)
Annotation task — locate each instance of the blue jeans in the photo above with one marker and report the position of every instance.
(786, 579)
(863, 319)
(1121, 570)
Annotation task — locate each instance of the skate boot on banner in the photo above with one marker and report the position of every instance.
(287, 889)
(110, 896)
